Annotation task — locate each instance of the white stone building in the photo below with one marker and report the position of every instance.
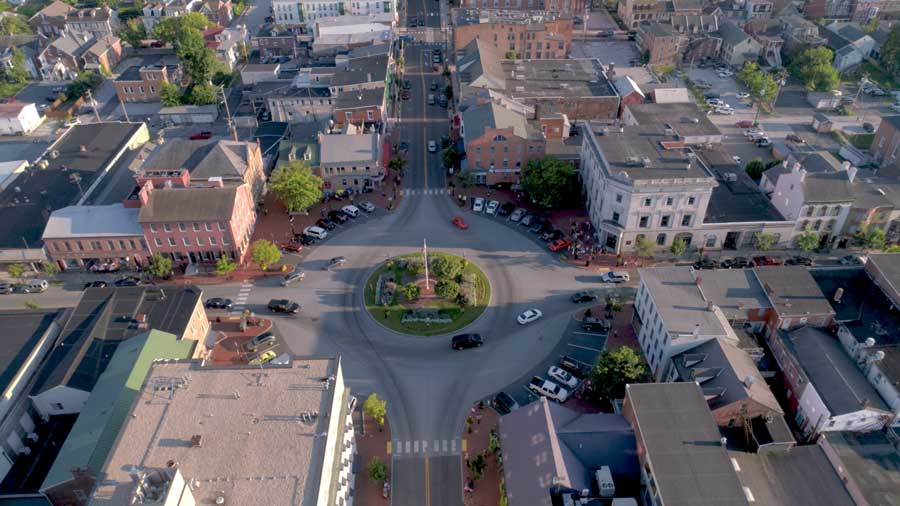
(17, 118)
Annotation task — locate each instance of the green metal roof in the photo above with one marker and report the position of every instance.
(105, 412)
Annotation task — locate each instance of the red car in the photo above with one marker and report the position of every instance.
(560, 244)
(460, 223)
(763, 261)
(292, 246)
(200, 136)
(745, 124)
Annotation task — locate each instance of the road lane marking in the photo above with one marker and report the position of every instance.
(416, 446)
(390, 445)
(407, 447)
(465, 445)
(585, 347)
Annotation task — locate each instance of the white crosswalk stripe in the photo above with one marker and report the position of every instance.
(424, 191)
(424, 447)
(241, 299)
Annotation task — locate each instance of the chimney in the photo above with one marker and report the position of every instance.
(611, 70)
(216, 182)
(748, 381)
(144, 194)
(537, 112)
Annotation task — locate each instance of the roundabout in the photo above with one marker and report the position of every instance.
(406, 297)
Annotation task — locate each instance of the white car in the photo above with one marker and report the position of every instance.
(615, 277)
(317, 232)
(736, 159)
(432, 147)
(478, 205)
(517, 215)
(351, 210)
(566, 379)
(492, 207)
(742, 94)
(726, 73)
(715, 101)
(753, 133)
(367, 206)
(724, 110)
(532, 315)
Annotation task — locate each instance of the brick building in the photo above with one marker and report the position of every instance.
(142, 84)
(194, 223)
(349, 160)
(94, 21)
(634, 12)
(88, 236)
(364, 107)
(885, 147)
(103, 53)
(62, 59)
(660, 42)
(560, 6)
(51, 20)
(526, 34)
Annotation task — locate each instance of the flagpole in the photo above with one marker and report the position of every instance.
(425, 254)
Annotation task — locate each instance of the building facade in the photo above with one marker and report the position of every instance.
(885, 147)
(526, 34)
(18, 118)
(95, 21)
(143, 84)
(95, 237)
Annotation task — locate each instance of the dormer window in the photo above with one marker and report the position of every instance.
(499, 138)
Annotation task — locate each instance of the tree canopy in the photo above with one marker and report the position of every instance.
(755, 168)
(12, 24)
(445, 266)
(159, 266)
(871, 238)
(86, 80)
(643, 247)
(296, 186)
(169, 94)
(807, 240)
(814, 68)
(890, 51)
(375, 408)
(134, 32)
(615, 369)
(264, 253)
(762, 86)
(550, 182)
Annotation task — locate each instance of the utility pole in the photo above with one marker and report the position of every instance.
(90, 97)
(231, 127)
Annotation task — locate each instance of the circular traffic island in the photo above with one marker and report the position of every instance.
(400, 296)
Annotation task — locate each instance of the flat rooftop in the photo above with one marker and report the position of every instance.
(463, 17)
(22, 330)
(638, 152)
(556, 78)
(793, 290)
(685, 118)
(736, 198)
(872, 462)
(668, 285)
(682, 444)
(252, 443)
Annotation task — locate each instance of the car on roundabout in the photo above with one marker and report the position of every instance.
(615, 277)
(529, 316)
(283, 306)
(459, 223)
(336, 262)
(466, 341)
(218, 303)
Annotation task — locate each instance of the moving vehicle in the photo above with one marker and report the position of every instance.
(317, 232)
(478, 205)
(460, 223)
(753, 133)
(531, 315)
(283, 306)
(264, 340)
(218, 303)
(724, 110)
(584, 296)
(763, 142)
(548, 389)
(432, 147)
(565, 379)
(466, 341)
(517, 215)
(336, 262)
(744, 124)
(293, 277)
(199, 136)
(431, 99)
(504, 403)
(492, 207)
(615, 277)
(765, 260)
(264, 358)
(366, 206)
(560, 244)
(405, 95)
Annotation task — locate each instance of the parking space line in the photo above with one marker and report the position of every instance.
(584, 347)
(589, 334)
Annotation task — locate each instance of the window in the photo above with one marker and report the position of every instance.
(661, 239)
(96, 245)
(172, 241)
(196, 227)
(186, 241)
(665, 221)
(370, 115)
(208, 226)
(167, 227)
(648, 202)
(221, 227)
(809, 211)
(225, 241)
(619, 198)
(200, 241)
(212, 241)
(181, 227)
(644, 222)
(692, 200)
(158, 242)
(670, 201)
(686, 220)
(615, 217)
(153, 227)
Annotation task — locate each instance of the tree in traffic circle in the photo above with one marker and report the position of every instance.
(447, 289)
(679, 246)
(375, 409)
(410, 291)
(814, 68)
(765, 241)
(225, 266)
(377, 470)
(296, 186)
(159, 265)
(807, 240)
(550, 182)
(445, 266)
(615, 369)
(264, 253)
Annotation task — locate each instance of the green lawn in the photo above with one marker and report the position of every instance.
(876, 75)
(391, 316)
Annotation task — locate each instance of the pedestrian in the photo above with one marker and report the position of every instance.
(587, 263)
(266, 211)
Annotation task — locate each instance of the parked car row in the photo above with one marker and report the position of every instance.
(336, 217)
(757, 261)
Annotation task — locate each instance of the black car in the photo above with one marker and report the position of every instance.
(799, 260)
(466, 341)
(585, 296)
(335, 262)
(706, 263)
(338, 216)
(578, 369)
(551, 235)
(283, 306)
(95, 284)
(539, 226)
(504, 403)
(128, 281)
(218, 303)
(326, 223)
(506, 209)
(306, 240)
(421, 22)
(735, 263)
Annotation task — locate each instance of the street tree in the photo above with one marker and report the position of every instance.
(85, 81)
(159, 265)
(13, 24)
(890, 51)
(643, 247)
(765, 241)
(264, 253)
(134, 33)
(615, 369)
(50, 269)
(550, 182)
(377, 470)
(203, 94)
(814, 68)
(397, 164)
(761, 85)
(451, 156)
(375, 408)
(174, 30)
(679, 246)
(870, 238)
(755, 168)
(225, 266)
(16, 270)
(169, 94)
(15, 73)
(296, 186)
(807, 240)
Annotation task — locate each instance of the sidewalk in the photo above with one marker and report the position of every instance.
(372, 443)
(228, 347)
(487, 490)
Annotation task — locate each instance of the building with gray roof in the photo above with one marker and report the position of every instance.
(793, 292)
(684, 119)
(869, 464)
(684, 460)
(349, 160)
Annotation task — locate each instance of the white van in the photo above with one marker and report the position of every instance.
(317, 232)
(351, 210)
(37, 286)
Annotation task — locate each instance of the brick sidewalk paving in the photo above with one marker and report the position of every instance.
(371, 444)
(487, 490)
(228, 348)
